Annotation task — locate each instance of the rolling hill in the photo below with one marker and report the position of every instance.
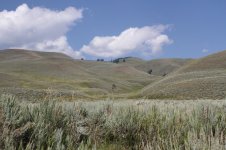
(215, 61)
(162, 66)
(159, 67)
(204, 78)
(33, 71)
(39, 74)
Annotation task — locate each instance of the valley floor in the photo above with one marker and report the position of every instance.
(1, 125)
(121, 124)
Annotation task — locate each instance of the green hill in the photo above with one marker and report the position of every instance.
(162, 66)
(39, 74)
(215, 61)
(204, 78)
(26, 70)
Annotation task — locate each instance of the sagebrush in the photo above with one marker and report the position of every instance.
(113, 125)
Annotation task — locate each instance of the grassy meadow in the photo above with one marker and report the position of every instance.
(112, 125)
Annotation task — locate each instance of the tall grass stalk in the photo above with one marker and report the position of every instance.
(114, 125)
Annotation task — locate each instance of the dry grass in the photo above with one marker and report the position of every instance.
(212, 62)
(187, 79)
(60, 72)
(201, 78)
(162, 66)
(191, 85)
(1, 125)
(124, 124)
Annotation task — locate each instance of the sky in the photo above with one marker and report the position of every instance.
(90, 29)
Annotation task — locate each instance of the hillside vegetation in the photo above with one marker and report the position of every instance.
(40, 74)
(162, 66)
(215, 61)
(34, 72)
(201, 78)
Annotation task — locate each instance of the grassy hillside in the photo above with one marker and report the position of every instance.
(22, 69)
(162, 66)
(39, 74)
(202, 78)
(215, 61)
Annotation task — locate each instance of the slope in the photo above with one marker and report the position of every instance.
(32, 71)
(204, 78)
(215, 61)
(162, 66)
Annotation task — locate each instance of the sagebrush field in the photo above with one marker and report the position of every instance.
(127, 124)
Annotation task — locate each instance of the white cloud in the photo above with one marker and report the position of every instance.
(205, 50)
(43, 29)
(59, 45)
(148, 39)
(38, 28)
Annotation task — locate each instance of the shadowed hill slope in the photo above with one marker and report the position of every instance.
(202, 78)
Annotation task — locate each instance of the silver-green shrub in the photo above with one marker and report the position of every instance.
(125, 124)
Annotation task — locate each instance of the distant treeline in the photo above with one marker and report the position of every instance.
(123, 59)
(117, 60)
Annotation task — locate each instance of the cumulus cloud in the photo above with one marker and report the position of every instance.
(44, 29)
(38, 28)
(205, 50)
(148, 39)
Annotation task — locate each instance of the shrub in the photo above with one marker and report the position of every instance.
(122, 125)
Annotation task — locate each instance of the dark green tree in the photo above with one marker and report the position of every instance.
(150, 71)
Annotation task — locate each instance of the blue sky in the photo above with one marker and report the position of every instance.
(193, 28)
